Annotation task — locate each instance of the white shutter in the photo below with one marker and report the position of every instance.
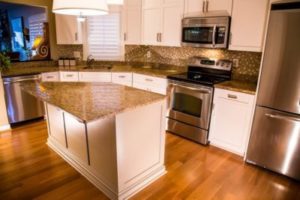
(36, 26)
(104, 37)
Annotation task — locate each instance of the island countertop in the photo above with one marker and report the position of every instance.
(91, 101)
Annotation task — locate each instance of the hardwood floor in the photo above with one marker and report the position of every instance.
(30, 170)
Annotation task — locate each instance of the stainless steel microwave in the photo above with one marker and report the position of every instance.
(207, 32)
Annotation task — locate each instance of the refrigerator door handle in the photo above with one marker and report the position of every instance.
(283, 117)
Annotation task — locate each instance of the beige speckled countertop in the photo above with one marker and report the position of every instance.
(158, 72)
(238, 86)
(91, 101)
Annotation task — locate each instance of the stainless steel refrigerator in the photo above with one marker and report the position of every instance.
(275, 136)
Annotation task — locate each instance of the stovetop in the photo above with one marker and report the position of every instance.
(205, 71)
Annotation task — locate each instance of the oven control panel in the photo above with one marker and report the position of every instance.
(221, 64)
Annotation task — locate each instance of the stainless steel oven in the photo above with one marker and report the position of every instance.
(209, 32)
(189, 110)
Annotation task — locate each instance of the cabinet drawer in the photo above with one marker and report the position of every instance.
(50, 77)
(122, 78)
(234, 96)
(150, 80)
(69, 76)
(94, 76)
(155, 89)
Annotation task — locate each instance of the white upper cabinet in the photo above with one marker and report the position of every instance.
(248, 25)
(198, 7)
(68, 29)
(132, 20)
(162, 22)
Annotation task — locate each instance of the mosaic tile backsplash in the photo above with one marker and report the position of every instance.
(248, 62)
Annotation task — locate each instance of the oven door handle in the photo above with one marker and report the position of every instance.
(203, 91)
(214, 35)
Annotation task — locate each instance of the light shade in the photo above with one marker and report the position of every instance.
(115, 2)
(80, 7)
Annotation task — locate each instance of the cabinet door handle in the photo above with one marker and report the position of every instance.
(76, 36)
(160, 37)
(49, 76)
(69, 75)
(122, 76)
(230, 38)
(207, 3)
(203, 6)
(148, 79)
(125, 36)
(157, 37)
(232, 96)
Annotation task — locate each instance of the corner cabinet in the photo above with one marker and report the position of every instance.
(68, 29)
(161, 21)
(248, 24)
(231, 120)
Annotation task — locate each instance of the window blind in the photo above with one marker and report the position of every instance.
(36, 26)
(104, 37)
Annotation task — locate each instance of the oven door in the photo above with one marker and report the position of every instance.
(190, 103)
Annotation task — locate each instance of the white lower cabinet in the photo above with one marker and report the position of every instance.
(231, 120)
(122, 78)
(150, 83)
(68, 76)
(94, 76)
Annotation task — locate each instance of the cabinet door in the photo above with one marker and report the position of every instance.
(172, 16)
(230, 125)
(68, 29)
(152, 3)
(193, 7)
(248, 25)
(50, 77)
(69, 76)
(76, 137)
(132, 27)
(55, 117)
(220, 5)
(152, 19)
(122, 78)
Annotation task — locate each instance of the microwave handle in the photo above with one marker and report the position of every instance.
(214, 35)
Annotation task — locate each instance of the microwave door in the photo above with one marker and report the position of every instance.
(198, 36)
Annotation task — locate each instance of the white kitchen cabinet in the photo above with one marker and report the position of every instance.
(198, 7)
(69, 76)
(122, 78)
(95, 76)
(68, 29)
(55, 116)
(132, 20)
(231, 120)
(150, 83)
(248, 25)
(162, 22)
(50, 77)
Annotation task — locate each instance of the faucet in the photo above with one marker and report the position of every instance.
(90, 61)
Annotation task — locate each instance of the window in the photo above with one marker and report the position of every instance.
(103, 37)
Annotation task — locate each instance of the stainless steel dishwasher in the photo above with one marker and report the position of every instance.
(21, 106)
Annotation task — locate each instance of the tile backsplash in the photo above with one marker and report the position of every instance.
(248, 62)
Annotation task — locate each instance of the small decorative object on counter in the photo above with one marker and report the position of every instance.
(61, 62)
(72, 62)
(4, 62)
(66, 62)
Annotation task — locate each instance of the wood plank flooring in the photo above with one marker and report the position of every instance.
(30, 170)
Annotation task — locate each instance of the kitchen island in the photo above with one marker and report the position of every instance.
(113, 135)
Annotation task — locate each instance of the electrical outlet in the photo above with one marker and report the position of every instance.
(77, 55)
(149, 54)
(235, 63)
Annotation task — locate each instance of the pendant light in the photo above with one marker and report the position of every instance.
(80, 7)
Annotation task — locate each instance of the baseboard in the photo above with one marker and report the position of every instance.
(5, 127)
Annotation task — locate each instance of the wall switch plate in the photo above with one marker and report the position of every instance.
(235, 63)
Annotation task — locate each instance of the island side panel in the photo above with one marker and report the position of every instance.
(103, 152)
(140, 147)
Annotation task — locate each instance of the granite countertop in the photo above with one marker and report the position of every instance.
(91, 101)
(238, 86)
(158, 72)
